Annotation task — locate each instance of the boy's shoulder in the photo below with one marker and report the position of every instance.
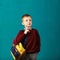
(34, 29)
(21, 31)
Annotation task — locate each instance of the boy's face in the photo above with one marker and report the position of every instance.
(27, 21)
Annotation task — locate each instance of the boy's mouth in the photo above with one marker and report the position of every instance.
(29, 25)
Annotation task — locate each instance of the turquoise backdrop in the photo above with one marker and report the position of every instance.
(46, 19)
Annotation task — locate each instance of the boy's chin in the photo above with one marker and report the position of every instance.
(28, 27)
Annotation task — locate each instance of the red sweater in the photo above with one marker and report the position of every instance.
(33, 40)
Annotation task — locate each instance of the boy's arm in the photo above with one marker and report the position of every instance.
(19, 38)
(38, 39)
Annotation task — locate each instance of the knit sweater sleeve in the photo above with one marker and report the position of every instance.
(19, 37)
(38, 39)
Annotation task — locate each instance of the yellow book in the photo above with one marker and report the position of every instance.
(20, 48)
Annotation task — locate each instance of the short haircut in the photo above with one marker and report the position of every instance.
(26, 15)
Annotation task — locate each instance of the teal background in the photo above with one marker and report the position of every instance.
(46, 18)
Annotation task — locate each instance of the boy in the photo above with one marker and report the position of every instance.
(32, 45)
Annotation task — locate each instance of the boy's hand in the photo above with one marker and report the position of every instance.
(26, 31)
(13, 44)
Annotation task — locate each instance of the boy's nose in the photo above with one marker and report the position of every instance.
(28, 21)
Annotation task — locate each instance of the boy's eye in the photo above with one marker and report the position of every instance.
(30, 20)
(26, 20)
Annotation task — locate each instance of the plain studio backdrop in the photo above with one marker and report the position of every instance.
(46, 19)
